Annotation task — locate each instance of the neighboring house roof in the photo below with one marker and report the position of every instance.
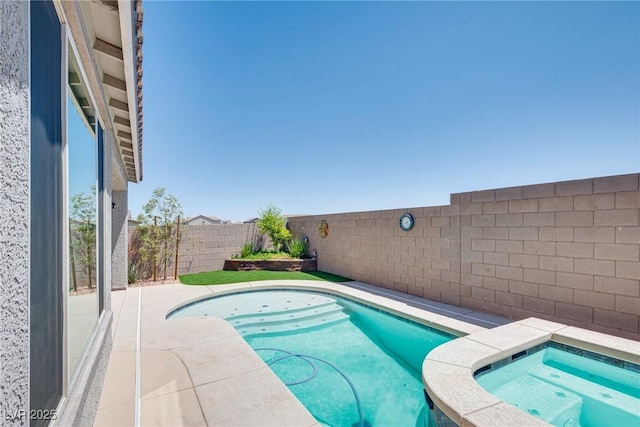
(251, 220)
(131, 219)
(203, 217)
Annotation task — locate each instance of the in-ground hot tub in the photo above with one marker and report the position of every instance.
(567, 386)
(542, 372)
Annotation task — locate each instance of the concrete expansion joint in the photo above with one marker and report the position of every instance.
(193, 386)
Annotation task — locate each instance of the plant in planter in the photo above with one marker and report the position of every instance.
(287, 251)
(272, 223)
(247, 250)
(296, 247)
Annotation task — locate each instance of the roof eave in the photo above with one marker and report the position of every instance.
(131, 21)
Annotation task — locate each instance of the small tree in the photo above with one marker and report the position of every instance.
(272, 223)
(156, 225)
(82, 236)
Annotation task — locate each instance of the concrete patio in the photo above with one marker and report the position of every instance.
(200, 372)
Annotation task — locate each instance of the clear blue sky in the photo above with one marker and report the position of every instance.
(82, 159)
(323, 107)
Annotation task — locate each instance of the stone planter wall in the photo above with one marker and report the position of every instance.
(273, 264)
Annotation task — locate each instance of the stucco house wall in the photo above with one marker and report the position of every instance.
(14, 207)
(24, 105)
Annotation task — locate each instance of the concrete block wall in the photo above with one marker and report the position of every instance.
(119, 240)
(371, 247)
(205, 247)
(566, 251)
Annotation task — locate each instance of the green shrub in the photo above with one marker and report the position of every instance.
(247, 250)
(272, 223)
(132, 274)
(297, 247)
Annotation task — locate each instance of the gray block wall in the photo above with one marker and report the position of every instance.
(565, 251)
(14, 209)
(205, 247)
(108, 144)
(119, 239)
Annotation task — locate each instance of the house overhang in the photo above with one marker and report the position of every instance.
(108, 37)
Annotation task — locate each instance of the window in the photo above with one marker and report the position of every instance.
(82, 302)
(66, 215)
(46, 374)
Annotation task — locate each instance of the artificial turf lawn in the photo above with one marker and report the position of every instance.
(224, 277)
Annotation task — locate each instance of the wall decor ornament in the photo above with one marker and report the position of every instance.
(323, 229)
(406, 222)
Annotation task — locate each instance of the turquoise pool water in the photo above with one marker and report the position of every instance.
(566, 389)
(355, 365)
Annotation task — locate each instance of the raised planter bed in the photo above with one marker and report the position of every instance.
(271, 264)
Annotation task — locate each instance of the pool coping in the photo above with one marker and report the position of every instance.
(450, 319)
(448, 370)
(200, 371)
(193, 371)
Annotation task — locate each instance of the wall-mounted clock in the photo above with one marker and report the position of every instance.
(406, 222)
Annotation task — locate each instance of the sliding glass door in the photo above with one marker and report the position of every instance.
(66, 216)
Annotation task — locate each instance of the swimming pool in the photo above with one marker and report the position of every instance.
(349, 364)
(568, 387)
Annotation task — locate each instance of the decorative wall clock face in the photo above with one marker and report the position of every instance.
(323, 229)
(406, 222)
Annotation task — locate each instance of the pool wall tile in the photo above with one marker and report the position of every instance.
(599, 343)
(440, 418)
(503, 412)
(559, 346)
(596, 356)
(632, 366)
(454, 390)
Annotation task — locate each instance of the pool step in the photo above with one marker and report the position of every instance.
(288, 322)
(284, 310)
(605, 404)
(549, 402)
(284, 316)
